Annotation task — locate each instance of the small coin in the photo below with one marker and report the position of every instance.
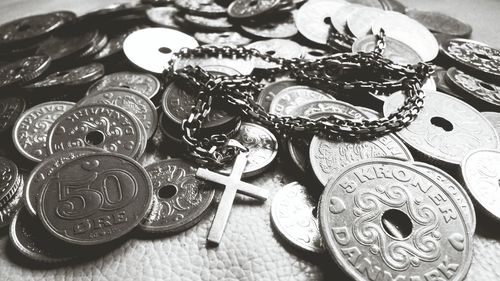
(475, 56)
(201, 7)
(376, 208)
(109, 195)
(480, 174)
(444, 134)
(441, 23)
(97, 125)
(70, 77)
(31, 128)
(180, 200)
(394, 50)
(243, 9)
(294, 215)
(455, 191)
(360, 22)
(267, 94)
(143, 83)
(10, 110)
(222, 38)
(280, 48)
(339, 17)
(290, 98)
(312, 19)
(475, 89)
(282, 27)
(494, 119)
(163, 16)
(9, 210)
(68, 44)
(212, 24)
(408, 31)
(31, 239)
(152, 48)
(10, 180)
(262, 146)
(135, 103)
(23, 70)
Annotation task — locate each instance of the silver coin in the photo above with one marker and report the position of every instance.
(444, 133)
(30, 130)
(494, 119)
(201, 7)
(10, 180)
(8, 211)
(214, 24)
(262, 146)
(152, 48)
(455, 191)
(242, 66)
(294, 215)
(394, 50)
(480, 172)
(475, 89)
(242, 9)
(280, 48)
(143, 83)
(179, 199)
(385, 219)
(135, 103)
(339, 17)
(329, 157)
(267, 94)
(291, 97)
(360, 22)
(429, 85)
(98, 125)
(281, 28)
(370, 113)
(222, 38)
(163, 16)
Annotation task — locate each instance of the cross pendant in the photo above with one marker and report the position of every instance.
(233, 185)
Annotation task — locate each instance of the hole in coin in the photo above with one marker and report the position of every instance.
(94, 138)
(327, 20)
(271, 52)
(316, 53)
(483, 56)
(224, 35)
(486, 86)
(253, 3)
(23, 27)
(165, 50)
(442, 123)
(168, 191)
(396, 224)
(315, 212)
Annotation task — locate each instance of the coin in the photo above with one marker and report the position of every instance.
(152, 48)
(494, 119)
(455, 191)
(201, 7)
(474, 56)
(441, 23)
(31, 239)
(339, 17)
(70, 77)
(98, 125)
(114, 45)
(360, 22)
(8, 211)
(312, 19)
(133, 102)
(329, 157)
(480, 174)
(10, 110)
(370, 113)
(23, 70)
(163, 16)
(10, 180)
(180, 200)
(267, 94)
(444, 134)
(473, 88)
(45, 169)
(280, 48)
(143, 83)
(31, 128)
(235, 66)
(394, 50)
(222, 38)
(68, 44)
(95, 199)
(442, 85)
(214, 24)
(290, 98)
(382, 219)
(282, 27)
(313, 54)
(262, 146)
(369, 3)
(294, 216)
(408, 31)
(113, 11)
(243, 9)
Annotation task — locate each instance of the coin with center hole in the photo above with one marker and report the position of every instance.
(244, 9)
(30, 130)
(180, 200)
(70, 77)
(476, 90)
(115, 195)
(143, 83)
(10, 110)
(23, 70)
(152, 48)
(377, 208)
(294, 216)
(290, 98)
(231, 38)
(394, 50)
(441, 23)
(444, 134)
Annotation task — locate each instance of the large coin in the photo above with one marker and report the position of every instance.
(280, 48)
(143, 83)
(30, 130)
(385, 219)
(97, 125)
(10, 110)
(267, 94)
(10, 180)
(243, 9)
(262, 149)
(135, 103)
(291, 97)
(23, 70)
(480, 172)
(441, 23)
(294, 215)
(95, 199)
(180, 200)
(152, 48)
(394, 50)
(445, 134)
(475, 89)
(313, 19)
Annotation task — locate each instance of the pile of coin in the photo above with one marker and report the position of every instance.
(100, 133)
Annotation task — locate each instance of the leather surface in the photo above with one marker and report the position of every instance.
(250, 249)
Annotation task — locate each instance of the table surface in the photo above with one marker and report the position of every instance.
(149, 258)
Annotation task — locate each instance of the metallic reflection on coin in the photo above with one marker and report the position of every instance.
(143, 83)
(291, 97)
(8, 211)
(232, 66)
(262, 146)
(243, 9)
(494, 119)
(213, 24)
(203, 8)
(280, 48)
(267, 94)
(360, 22)
(387, 213)
(339, 17)
(10, 180)
(115, 195)
(70, 77)
(445, 133)
(294, 216)
(23, 70)
(163, 16)
(222, 38)
(394, 50)
(30, 130)
(481, 174)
